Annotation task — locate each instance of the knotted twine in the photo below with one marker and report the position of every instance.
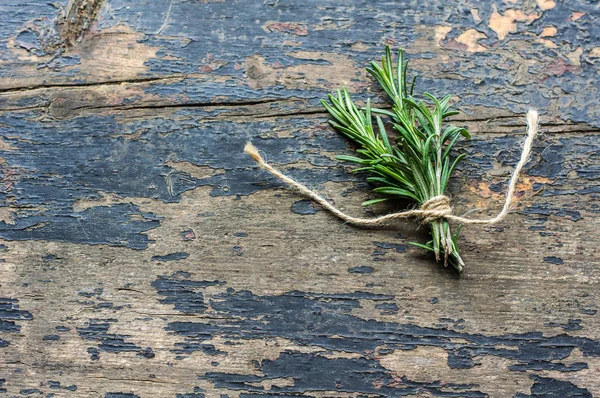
(435, 208)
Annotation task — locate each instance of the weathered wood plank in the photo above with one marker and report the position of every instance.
(530, 53)
(143, 255)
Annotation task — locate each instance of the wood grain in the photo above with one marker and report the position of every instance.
(144, 255)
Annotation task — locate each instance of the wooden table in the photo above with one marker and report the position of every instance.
(144, 255)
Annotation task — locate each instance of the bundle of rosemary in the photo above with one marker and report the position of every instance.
(417, 166)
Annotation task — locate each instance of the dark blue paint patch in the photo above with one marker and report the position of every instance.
(550, 162)
(2, 381)
(51, 337)
(116, 225)
(30, 41)
(39, 38)
(313, 373)
(547, 387)
(571, 325)
(588, 311)
(30, 391)
(3, 247)
(108, 305)
(548, 210)
(537, 228)
(284, 311)
(458, 324)
(9, 314)
(387, 308)
(62, 328)
(240, 234)
(554, 260)
(61, 62)
(460, 358)
(120, 395)
(198, 393)
(55, 385)
(171, 256)
(312, 319)
(9, 309)
(399, 247)
(342, 297)
(184, 294)
(49, 257)
(303, 207)
(97, 330)
(246, 182)
(94, 353)
(96, 292)
(146, 353)
(238, 250)
(34, 27)
(364, 269)
(185, 348)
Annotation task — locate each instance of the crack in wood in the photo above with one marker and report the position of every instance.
(91, 84)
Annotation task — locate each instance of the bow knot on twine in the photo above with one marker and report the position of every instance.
(432, 209)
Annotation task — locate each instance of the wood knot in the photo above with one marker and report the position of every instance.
(61, 107)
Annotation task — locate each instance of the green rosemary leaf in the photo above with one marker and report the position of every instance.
(446, 171)
(422, 246)
(352, 159)
(381, 180)
(396, 192)
(383, 112)
(373, 201)
(358, 170)
(456, 161)
(412, 85)
(383, 135)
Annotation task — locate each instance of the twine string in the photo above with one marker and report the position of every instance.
(435, 208)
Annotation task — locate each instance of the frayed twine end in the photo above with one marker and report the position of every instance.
(253, 152)
(533, 119)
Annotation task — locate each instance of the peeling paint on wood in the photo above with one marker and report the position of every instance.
(142, 254)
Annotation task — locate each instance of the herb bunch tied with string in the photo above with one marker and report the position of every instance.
(418, 165)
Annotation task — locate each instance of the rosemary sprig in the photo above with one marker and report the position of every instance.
(418, 165)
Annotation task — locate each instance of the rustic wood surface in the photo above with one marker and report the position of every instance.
(144, 255)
